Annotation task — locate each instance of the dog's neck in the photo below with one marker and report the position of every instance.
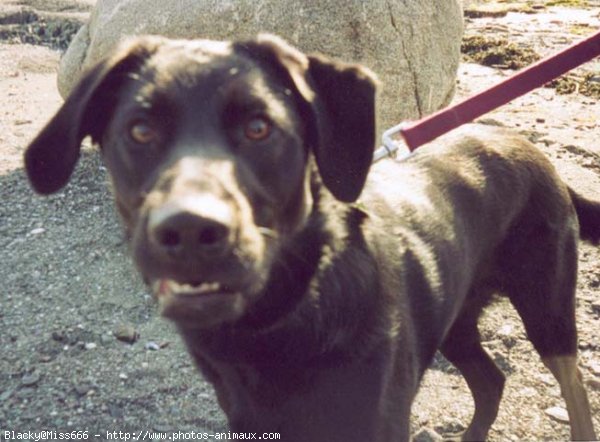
(284, 316)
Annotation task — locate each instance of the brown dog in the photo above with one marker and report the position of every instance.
(237, 167)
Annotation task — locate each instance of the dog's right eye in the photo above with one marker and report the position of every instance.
(142, 132)
(257, 129)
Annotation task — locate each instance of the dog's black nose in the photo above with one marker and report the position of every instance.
(192, 227)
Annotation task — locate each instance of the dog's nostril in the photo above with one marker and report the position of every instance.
(188, 229)
(211, 235)
(169, 238)
(185, 235)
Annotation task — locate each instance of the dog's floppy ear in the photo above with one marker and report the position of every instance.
(52, 155)
(340, 104)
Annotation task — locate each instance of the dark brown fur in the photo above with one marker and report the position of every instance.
(325, 309)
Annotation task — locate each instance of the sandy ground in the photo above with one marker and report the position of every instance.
(68, 283)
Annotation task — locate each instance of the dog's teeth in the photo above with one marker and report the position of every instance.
(169, 287)
(172, 286)
(208, 287)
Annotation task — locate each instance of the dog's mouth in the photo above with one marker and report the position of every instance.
(199, 304)
(168, 288)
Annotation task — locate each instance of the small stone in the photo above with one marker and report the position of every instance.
(153, 346)
(452, 427)
(126, 333)
(6, 395)
(427, 435)
(37, 231)
(528, 392)
(594, 384)
(82, 389)
(162, 428)
(547, 379)
(30, 379)
(558, 413)
(540, 120)
(595, 368)
(506, 330)
(45, 358)
(59, 336)
(105, 339)
(115, 411)
(506, 334)
(123, 376)
(90, 345)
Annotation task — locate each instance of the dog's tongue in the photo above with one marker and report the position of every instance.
(161, 287)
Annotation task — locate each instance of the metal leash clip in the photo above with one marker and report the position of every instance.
(394, 148)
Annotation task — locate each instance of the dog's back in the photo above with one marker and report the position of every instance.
(476, 213)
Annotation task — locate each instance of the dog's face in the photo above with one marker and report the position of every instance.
(207, 145)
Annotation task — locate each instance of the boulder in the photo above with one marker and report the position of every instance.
(413, 46)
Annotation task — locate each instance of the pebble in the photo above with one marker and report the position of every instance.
(30, 379)
(528, 392)
(595, 368)
(115, 411)
(594, 384)
(59, 336)
(427, 435)
(90, 345)
(105, 340)
(6, 395)
(507, 335)
(126, 333)
(153, 346)
(547, 379)
(37, 231)
(123, 376)
(506, 330)
(45, 358)
(162, 428)
(558, 413)
(82, 389)
(453, 427)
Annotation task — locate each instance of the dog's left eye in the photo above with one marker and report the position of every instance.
(143, 133)
(257, 128)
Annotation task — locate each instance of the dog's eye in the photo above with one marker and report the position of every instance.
(143, 133)
(257, 128)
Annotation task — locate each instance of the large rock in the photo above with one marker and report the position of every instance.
(412, 45)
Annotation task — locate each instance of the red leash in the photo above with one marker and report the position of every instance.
(427, 129)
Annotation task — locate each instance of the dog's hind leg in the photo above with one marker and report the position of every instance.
(541, 285)
(463, 349)
(563, 365)
(566, 372)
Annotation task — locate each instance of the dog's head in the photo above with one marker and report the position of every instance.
(207, 144)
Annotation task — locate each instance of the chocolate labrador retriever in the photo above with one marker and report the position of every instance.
(312, 296)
